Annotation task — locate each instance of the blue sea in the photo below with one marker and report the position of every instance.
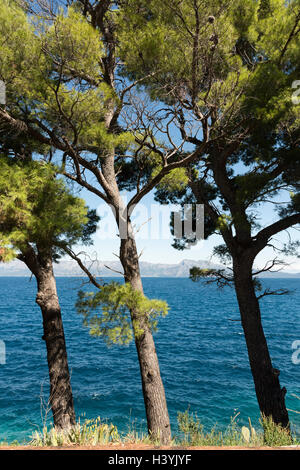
(202, 354)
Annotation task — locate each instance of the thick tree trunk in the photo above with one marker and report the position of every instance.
(153, 389)
(61, 398)
(270, 395)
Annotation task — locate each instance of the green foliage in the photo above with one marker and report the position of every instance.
(138, 170)
(220, 277)
(274, 434)
(239, 76)
(90, 227)
(243, 16)
(37, 208)
(53, 73)
(190, 426)
(7, 253)
(153, 31)
(114, 311)
(246, 77)
(223, 221)
(211, 275)
(95, 432)
(176, 180)
(10, 444)
(161, 38)
(228, 64)
(195, 435)
(292, 207)
(17, 41)
(92, 432)
(74, 43)
(265, 9)
(197, 273)
(223, 253)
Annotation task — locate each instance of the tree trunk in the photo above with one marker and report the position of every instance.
(270, 395)
(61, 398)
(153, 389)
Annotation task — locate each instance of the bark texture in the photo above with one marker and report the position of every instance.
(61, 398)
(153, 390)
(270, 395)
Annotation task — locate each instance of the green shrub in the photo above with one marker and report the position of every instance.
(274, 434)
(194, 434)
(92, 432)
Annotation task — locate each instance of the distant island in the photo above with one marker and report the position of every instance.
(69, 268)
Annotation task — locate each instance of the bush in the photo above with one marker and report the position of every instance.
(274, 434)
(92, 432)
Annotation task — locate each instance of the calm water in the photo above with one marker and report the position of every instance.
(202, 356)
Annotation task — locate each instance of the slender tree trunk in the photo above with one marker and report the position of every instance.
(153, 390)
(61, 398)
(270, 395)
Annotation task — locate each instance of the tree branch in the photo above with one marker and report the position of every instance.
(82, 266)
(262, 238)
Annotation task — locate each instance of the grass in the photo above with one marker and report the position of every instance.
(191, 433)
(276, 435)
(194, 434)
(92, 432)
(270, 435)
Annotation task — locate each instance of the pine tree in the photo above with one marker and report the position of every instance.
(68, 97)
(39, 218)
(225, 75)
(157, 92)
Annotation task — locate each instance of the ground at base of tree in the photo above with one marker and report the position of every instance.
(129, 447)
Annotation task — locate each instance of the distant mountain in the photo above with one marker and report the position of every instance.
(69, 268)
(280, 274)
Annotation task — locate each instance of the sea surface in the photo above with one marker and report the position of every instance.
(200, 345)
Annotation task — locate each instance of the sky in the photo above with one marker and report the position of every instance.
(153, 237)
(154, 240)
